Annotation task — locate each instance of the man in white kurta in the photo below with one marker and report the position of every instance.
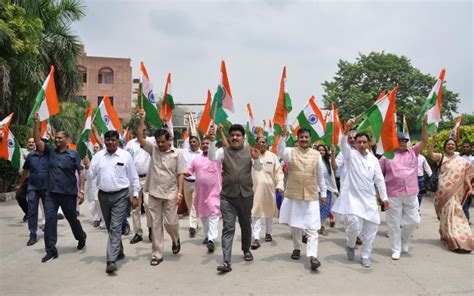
(300, 208)
(265, 182)
(358, 197)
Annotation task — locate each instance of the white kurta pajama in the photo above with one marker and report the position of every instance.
(265, 182)
(302, 214)
(358, 197)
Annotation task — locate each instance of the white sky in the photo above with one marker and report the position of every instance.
(257, 38)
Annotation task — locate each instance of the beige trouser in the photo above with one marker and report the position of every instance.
(136, 213)
(189, 194)
(163, 213)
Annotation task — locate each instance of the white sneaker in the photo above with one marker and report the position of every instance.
(405, 247)
(396, 255)
(365, 262)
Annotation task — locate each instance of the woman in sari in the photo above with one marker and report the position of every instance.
(454, 185)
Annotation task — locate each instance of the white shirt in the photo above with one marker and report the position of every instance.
(469, 158)
(140, 157)
(423, 166)
(358, 196)
(285, 154)
(114, 171)
(188, 156)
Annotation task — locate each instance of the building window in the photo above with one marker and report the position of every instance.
(83, 72)
(99, 100)
(106, 75)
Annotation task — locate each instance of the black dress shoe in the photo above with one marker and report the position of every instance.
(296, 255)
(121, 256)
(314, 263)
(358, 241)
(176, 247)
(149, 233)
(304, 239)
(111, 267)
(210, 246)
(81, 244)
(25, 218)
(31, 241)
(126, 230)
(49, 256)
(204, 242)
(137, 238)
(96, 223)
(192, 232)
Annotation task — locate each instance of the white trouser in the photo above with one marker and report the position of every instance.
(403, 212)
(257, 226)
(366, 230)
(311, 245)
(189, 193)
(136, 213)
(210, 226)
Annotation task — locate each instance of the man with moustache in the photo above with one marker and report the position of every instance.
(237, 192)
(300, 208)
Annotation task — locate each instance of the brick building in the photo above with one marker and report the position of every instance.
(107, 76)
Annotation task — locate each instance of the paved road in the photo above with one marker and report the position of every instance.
(429, 269)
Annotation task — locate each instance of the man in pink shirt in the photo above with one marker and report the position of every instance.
(401, 180)
(208, 188)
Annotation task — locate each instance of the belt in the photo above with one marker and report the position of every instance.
(112, 192)
(142, 176)
(190, 181)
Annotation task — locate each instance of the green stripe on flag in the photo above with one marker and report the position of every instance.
(217, 111)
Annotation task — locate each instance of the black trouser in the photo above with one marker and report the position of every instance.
(231, 208)
(20, 197)
(68, 204)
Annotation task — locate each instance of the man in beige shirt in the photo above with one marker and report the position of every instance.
(165, 187)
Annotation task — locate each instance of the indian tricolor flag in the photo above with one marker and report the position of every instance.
(383, 122)
(126, 137)
(222, 98)
(85, 147)
(46, 102)
(432, 106)
(107, 119)
(405, 127)
(283, 105)
(312, 118)
(146, 98)
(251, 129)
(9, 148)
(45, 129)
(205, 121)
(167, 106)
(456, 132)
(333, 127)
(268, 132)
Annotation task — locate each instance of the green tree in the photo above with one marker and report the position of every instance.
(35, 34)
(355, 87)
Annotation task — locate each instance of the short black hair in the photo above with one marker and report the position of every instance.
(303, 130)
(238, 128)
(65, 134)
(193, 137)
(362, 134)
(111, 134)
(261, 138)
(162, 132)
(467, 142)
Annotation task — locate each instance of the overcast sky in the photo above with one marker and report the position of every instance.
(257, 38)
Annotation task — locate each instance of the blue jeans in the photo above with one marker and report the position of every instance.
(34, 197)
(466, 206)
(68, 204)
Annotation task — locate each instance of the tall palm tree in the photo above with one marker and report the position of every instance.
(58, 47)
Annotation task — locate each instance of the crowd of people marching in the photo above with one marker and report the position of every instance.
(316, 186)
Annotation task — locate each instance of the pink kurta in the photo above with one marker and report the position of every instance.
(208, 185)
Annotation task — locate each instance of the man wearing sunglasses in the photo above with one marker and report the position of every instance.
(401, 180)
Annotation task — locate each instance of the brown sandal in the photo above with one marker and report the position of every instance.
(224, 267)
